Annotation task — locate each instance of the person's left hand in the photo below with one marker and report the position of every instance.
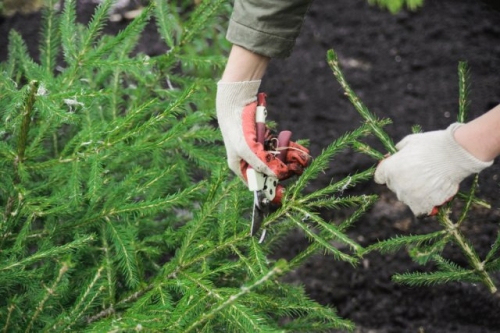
(427, 169)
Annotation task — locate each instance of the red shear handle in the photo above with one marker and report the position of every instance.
(280, 191)
(261, 99)
(283, 143)
(435, 210)
(261, 132)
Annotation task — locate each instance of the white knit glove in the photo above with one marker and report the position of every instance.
(427, 169)
(232, 97)
(236, 112)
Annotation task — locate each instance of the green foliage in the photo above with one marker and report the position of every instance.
(395, 6)
(429, 247)
(118, 212)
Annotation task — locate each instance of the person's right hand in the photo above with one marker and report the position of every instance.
(236, 107)
(427, 169)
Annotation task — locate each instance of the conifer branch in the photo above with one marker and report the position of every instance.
(426, 279)
(68, 31)
(10, 309)
(172, 271)
(367, 202)
(52, 252)
(26, 121)
(108, 266)
(467, 249)
(367, 150)
(463, 91)
(494, 249)
(196, 226)
(493, 265)
(27, 69)
(468, 201)
(316, 247)
(321, 162)
(193, 305)
(258, 256)
(337, 188)
(50, 37)
(424, 253)
(321, 241)
(124, 39)
(396, 243)
(475, 201)
(167, 22)
(370, 118)
(278, 269)
(245, 261)
(136, 208)
(331, 230)
(125, 250)
(50, 291)
(94, 29)
(112, 309)
(83, 303)
(198, 19)
(23, 236)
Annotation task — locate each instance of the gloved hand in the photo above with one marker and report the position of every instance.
(236, 108)
(427, 169)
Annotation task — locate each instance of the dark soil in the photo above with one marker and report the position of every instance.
(403, 67)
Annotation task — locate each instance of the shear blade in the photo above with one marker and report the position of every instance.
(257, 216)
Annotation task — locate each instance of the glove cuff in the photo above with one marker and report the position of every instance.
(467, 162)
(232, 95)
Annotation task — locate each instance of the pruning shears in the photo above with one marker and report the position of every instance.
(267, 190)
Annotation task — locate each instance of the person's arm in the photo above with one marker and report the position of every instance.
(481, 136)
(236, 107)
(244, 65)
(259, 30)
(267, 27)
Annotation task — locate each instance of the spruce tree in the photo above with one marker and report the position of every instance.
(119, 214)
